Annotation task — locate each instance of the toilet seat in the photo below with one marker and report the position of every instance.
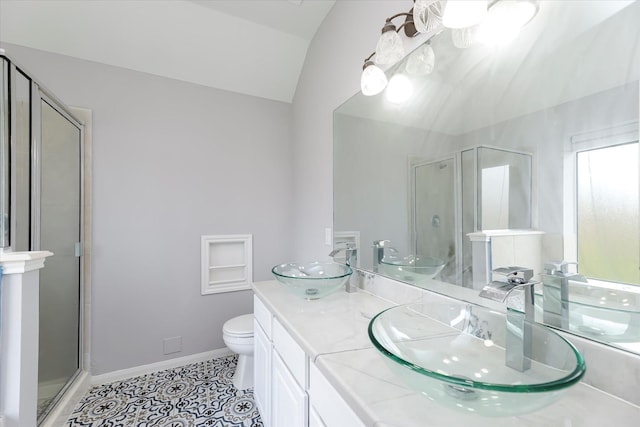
(241, 326)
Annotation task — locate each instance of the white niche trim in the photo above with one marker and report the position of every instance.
(226, 263)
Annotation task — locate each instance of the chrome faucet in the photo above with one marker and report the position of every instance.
(518, 344)
(378, 253)
(350, 253)
(555, 292)
(351, 259)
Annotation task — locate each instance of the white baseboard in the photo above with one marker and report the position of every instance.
(158, 366)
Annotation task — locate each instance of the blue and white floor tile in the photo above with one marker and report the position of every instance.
(200, 394)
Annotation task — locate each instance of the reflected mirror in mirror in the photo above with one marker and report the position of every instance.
(524, 154)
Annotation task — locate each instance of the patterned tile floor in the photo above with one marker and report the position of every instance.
(200, 394)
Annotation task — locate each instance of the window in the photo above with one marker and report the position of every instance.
(608, 235)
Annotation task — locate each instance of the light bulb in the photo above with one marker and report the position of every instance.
(421, 61)
(464, 13)
(399, 89)
(505, 20)
(373, 80)
(522, 11)
(389, 49)
(426, 15)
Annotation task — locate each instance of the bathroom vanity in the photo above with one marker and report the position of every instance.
(315, 366)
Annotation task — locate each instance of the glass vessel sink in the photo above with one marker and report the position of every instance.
(454, 353)
(602, 313)
(411, 269)
(312, 280)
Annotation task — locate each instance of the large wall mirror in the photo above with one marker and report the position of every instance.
(522, 154)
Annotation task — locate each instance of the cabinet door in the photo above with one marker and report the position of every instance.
(262, 373)
(289, 401)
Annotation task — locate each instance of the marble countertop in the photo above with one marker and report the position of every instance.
(335, 323)
(333, 333)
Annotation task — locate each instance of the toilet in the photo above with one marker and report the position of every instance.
(237, 334)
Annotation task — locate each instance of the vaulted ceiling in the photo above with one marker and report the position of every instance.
(253, 47)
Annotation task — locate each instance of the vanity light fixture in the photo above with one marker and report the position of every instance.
(373, 80)
(464, 13)
(464, 37)
(492, 22)
(399, 89)
(390, 48)
(504, 21)
(427, 15)
(422, 60)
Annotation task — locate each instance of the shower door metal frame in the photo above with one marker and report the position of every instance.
(39, 95)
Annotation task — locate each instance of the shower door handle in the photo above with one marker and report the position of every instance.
(79, 249)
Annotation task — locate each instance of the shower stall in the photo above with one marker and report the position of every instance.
(480, 188)
(41, 203)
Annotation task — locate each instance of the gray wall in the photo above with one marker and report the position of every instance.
(330, 76)
(171, 161)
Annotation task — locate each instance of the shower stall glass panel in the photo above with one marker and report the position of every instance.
(59, 232)
(435, 219)
(21, 162)
(4, 155)
(41, 209)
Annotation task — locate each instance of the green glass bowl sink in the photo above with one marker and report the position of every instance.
(454, 353)
(312, 280)
(411, 269)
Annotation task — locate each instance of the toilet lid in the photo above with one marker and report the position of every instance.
(239, 326)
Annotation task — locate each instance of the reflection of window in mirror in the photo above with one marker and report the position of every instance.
(608, 246)
(495, 198)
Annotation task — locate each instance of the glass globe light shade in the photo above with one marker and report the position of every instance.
(464, 37)
(504, 21)
(373, 80)
(426, 15)
(421, 61)
(464, 13)
(520, 11)
(399, 89)
(389, 49)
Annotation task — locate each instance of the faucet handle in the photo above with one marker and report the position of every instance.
(562, 267)
(380, 243)
(519, 275)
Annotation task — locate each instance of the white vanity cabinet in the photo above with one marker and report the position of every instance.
(289, 390)
(280, 373)
(289, 402)
(327, 406)
(262, 373)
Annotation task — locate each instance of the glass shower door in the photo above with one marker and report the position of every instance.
(59, 232)
(435, 214)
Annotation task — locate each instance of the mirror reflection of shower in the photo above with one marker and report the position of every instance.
(434, 221)
(475, 189)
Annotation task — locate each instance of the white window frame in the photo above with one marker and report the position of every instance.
(621, 134)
